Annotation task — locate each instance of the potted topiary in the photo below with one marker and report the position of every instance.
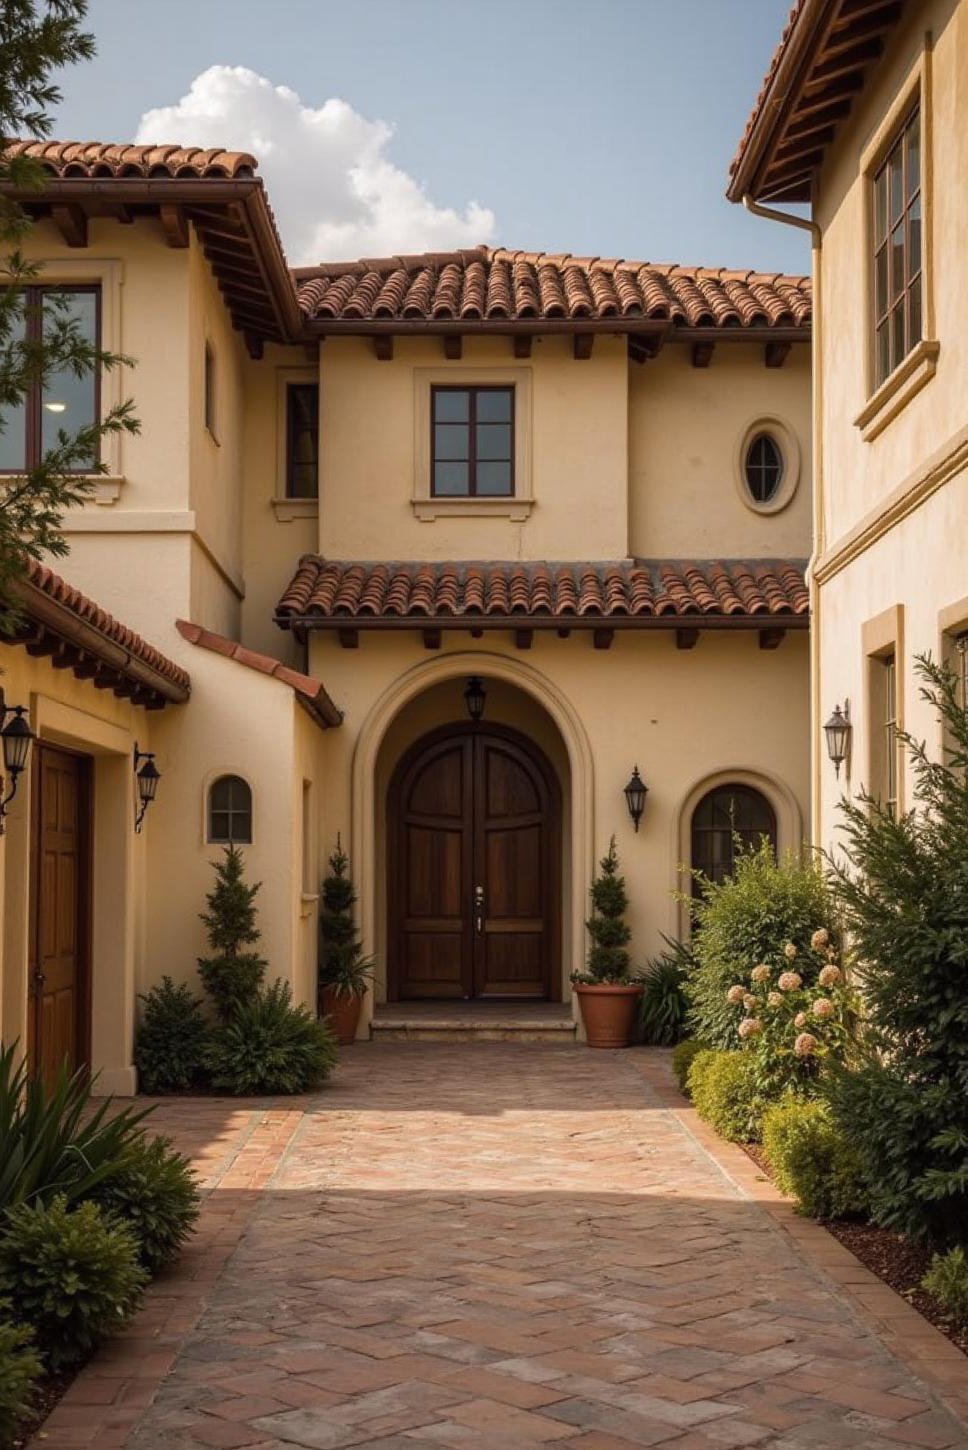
(343, 969)
(607, 992)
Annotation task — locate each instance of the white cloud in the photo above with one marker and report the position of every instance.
(335, 193)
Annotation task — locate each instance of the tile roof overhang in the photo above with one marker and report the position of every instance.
(58, 621)
(820, 64)
(216, 191)
(627, 594)
(488, 289)
(309, 693)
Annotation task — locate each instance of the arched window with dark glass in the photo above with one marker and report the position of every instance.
(763, 466)
(725, 821)
(230, 811)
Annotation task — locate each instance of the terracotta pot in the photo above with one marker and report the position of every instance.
(609, 1013)
(343, 1014)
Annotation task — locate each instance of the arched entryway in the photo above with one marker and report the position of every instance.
(474, 868)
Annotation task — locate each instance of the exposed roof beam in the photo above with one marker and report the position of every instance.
(71, 222)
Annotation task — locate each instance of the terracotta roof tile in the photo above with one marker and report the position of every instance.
(330, 590)
(309, 692)
(97, 159)
(44, 580)
(492, 284)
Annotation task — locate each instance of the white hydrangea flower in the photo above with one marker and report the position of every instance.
(800, 1020)
(735, 995)
(750, 1027)
(760, 973)
(830, 976)
(804, 1044)
(774, 999)
(749, 1001)
(820, 939)
(789, 981)
(789, 951)
(823, 1007)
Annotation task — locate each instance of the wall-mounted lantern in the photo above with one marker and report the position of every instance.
(838, 731)
(474, 697)
(635, 794)
(147, 776)
(17, 738)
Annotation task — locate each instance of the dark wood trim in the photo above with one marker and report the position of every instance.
(473, 391)
(354, 623)
(383, 346)
(687, 638)
(772, 638)
(453, 346)
(521, 344)
(71, 222)
(582, 345)
(602, 637)
(702, 354)
(174, 224)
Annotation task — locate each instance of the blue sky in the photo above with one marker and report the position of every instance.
(602, 128)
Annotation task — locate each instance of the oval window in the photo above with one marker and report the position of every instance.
(764, 468)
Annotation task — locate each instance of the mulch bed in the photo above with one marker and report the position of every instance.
(890, 1256)
(47, 1392)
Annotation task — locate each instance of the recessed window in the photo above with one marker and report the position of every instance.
(888, 672)
(62, 402)
(763, 467)
(473, 442)
(210, 419)
(898, 321)
(302, 440)
(960, 664)
(728, 818)
(230, 812)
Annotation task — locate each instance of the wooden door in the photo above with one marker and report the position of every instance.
(59, 1010)
(474, 869)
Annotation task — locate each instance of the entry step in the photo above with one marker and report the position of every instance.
(476, 1021)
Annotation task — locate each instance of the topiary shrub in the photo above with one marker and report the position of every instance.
(903, 886)
(747, 920)
(947, 1280)
(171, 1039)
(154, 1193)
(20, 1368)
(683, 1055)
(608, 956)
(270, 1046)
(664, 1005)
(723, 1093)
(344, 970)
(72, 1274)
(811, 1159)
(232, 974)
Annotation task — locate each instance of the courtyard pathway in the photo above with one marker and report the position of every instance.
(495, 1246)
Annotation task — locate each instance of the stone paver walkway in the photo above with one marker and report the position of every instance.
(494, 1246)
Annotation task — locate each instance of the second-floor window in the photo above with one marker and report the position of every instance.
(64, 402)
(898, 322)
(473, 442)
(302, 440)
(211, 401)
(889, 778)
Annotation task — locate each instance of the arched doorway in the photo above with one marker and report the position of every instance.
(474, 868)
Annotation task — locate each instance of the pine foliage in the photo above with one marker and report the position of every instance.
(343, 968)
(608, 955)
(232, 974)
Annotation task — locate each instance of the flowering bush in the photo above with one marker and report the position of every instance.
(791, 1020)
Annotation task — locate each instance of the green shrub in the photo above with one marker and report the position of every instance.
(664, 1005)
(682, 1059)
(53, 1140)
(343, 968)
(231, 975)
(270, 1046)
(947, 1280)
(72, 1274)
(154, 1193)
(811, 1160)
(171, 1039)
(722, 1091)
(20, 1368)
(608, 956)
(743, 921)
(903, 885)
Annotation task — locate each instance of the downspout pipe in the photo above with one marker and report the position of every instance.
(771, 214)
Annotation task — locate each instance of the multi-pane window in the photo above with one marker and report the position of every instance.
(727, 819)
(889, 727)
(960, 662)
(764, 468)
(230, 811)
(63, 402)
(473, 442)
(210, 399)
(898, 288)
(302, 440)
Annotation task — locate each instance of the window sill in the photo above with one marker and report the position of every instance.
(896, 391)
(287, 509)
(428, 509)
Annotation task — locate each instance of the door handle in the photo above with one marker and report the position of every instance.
(479, 908)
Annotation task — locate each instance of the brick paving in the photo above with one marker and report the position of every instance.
(498, 1245)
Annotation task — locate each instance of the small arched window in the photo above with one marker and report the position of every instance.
(763, 467)
(729, 816)
(230, 811)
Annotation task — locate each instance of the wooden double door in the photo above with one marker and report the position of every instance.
(474, 868)
(58, 1011)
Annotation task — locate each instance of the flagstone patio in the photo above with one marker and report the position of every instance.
(502, 1245)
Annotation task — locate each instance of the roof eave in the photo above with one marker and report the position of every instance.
(521, 620)
(550, 326)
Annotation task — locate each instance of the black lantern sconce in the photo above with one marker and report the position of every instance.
(17, 738)
(838, 732)
(147, 776)
(635, 794)
(474, 698)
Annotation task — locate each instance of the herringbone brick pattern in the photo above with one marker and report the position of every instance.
(502, 1246)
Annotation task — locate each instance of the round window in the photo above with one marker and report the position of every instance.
(763, 466)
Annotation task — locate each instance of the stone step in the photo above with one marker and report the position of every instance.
(476, 1022)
